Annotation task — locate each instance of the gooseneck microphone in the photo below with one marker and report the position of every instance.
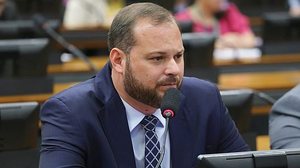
(170, 103)
(169, 107)
(41, 22)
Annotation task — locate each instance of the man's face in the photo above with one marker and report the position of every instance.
(155, 62)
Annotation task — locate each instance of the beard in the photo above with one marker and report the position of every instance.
(142, 93)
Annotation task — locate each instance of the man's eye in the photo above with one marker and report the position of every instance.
(178, 56)
(157, 58)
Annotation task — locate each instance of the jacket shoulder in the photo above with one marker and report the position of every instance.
(192, 85)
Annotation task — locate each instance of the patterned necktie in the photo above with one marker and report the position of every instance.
(152, 147)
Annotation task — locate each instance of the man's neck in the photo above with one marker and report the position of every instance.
(118, 84)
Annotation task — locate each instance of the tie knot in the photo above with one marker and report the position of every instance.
(149, 123)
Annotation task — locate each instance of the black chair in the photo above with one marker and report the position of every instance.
(24, 66)
(281, 33)
(185, 26)
(19, 135)
(239, 104)
(198, 58)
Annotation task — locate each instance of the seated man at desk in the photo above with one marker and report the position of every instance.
(105, 121)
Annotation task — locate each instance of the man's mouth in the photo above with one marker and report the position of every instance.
(170, 85)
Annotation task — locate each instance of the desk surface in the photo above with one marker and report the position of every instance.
(266, 59)
(263, 142)
(36, 97)
(261, 80)
(77, 66)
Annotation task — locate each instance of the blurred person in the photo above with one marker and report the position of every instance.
(222, 18)
(8, 10)
(284, 121)
(104, 121)
(85, 13)
(294, 8)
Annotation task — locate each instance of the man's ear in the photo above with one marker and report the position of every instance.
(117, 58)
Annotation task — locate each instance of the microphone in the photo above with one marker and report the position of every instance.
(41, 22)
(170, 103)
(169, 107)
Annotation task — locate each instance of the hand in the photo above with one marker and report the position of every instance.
(236, 40)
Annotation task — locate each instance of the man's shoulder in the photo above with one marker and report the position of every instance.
(192, 83)
(197, 88)
(289, 103)
(77, 90)
(74, 100)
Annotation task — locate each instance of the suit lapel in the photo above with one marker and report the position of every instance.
(117, 132)
(113, 119)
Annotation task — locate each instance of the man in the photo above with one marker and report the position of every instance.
(101, 122)
(284, 124)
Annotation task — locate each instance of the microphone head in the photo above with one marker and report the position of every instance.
(170, 103)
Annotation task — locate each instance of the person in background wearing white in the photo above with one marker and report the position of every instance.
(85, 13)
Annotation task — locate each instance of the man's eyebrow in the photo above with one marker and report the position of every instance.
(180, 52)
(156, 52)
(163, 52)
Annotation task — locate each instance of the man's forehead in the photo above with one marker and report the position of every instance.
(148, 25)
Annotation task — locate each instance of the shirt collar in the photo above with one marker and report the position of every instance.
(134, 117)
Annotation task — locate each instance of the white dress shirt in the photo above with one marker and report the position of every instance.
(137, 134)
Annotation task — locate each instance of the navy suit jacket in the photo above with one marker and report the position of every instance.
(86, 126)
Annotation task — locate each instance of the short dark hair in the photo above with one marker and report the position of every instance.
(121, 34)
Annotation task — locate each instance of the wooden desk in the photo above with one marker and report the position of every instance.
(256, 21)
(35, 97)
(261, 110)
(77, 66)
(263, 142)
(261, 80)
(266, 59)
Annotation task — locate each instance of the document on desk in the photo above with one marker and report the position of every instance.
(237, 53)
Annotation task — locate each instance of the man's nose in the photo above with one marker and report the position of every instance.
(172, 68)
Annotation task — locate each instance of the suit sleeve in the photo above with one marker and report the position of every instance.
(284, 121)
(284, 132)
(62, 138)
(231, 140)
